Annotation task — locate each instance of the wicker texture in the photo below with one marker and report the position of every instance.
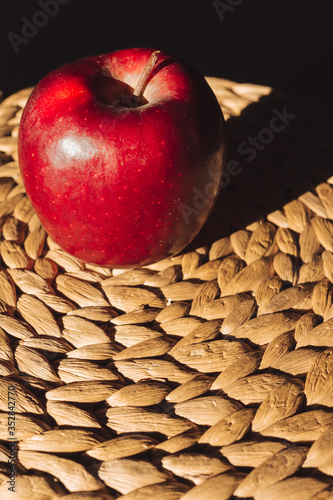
(207, 375)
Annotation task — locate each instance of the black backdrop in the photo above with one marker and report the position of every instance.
(284, 43)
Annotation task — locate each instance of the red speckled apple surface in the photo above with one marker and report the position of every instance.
(115, 183)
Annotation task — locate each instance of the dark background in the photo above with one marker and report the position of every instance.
(283, 43)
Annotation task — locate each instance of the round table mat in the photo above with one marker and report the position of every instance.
(208, 375)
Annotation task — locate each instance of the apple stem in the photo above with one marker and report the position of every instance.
(141, 85)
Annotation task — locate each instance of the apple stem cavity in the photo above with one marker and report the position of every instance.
(143, 80)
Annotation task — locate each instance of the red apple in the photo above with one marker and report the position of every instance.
(116, 179)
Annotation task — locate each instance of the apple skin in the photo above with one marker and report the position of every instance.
(116, 185)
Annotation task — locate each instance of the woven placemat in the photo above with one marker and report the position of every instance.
(208, 375)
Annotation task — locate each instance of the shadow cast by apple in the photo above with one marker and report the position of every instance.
(279, 148)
